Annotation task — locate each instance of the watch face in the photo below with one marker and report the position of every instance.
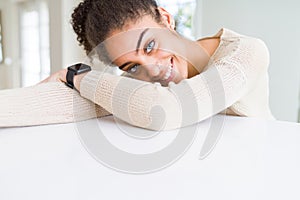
(79, 68)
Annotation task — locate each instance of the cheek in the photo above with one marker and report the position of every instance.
(182, 68)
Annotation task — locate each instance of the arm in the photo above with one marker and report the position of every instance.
(154, 107)
(46, 103)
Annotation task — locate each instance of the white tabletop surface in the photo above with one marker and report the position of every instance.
(254, 159)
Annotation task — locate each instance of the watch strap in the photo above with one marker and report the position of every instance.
(70, 78)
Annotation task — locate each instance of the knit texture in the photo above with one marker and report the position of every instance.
(235, 78)
(48, 103)
(235, 81)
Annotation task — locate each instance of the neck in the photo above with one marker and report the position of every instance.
(206, 48)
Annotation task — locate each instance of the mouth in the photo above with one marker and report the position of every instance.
(170, 72)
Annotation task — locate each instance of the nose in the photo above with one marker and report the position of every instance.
(153, 70)
(152, 67)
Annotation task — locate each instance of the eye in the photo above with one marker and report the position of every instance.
(150, 46)
(133, 69)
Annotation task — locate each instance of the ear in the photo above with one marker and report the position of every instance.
(167, 18)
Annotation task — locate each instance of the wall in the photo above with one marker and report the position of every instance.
(55, 17)
(72, 53)
(64, 46)
(277, 23)
(9, 70)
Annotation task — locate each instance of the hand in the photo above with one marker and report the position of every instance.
(59, 76)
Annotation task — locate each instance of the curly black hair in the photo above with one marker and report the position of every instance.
(93, 20)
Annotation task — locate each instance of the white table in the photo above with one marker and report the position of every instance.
(254, 159)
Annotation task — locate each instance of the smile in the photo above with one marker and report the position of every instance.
(169, 74)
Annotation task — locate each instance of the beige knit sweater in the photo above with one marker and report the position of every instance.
(234, 81)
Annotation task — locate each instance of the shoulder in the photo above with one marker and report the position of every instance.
(227, 35)
(244, 41)
(237, 51)
(233, 44)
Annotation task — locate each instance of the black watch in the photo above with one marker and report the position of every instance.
(76, 69)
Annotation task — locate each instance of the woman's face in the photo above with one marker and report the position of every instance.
(149, 51)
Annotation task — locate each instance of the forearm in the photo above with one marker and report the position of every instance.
(47, 103)
(139, 103)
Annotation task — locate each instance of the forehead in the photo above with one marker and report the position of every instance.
(125, 40)
(122, 43)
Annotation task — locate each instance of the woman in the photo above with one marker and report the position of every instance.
(223, 73)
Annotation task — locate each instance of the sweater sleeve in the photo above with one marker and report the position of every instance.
(151, 106)
(47, 103)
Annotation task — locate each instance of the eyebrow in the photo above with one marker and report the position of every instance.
(140, 39)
